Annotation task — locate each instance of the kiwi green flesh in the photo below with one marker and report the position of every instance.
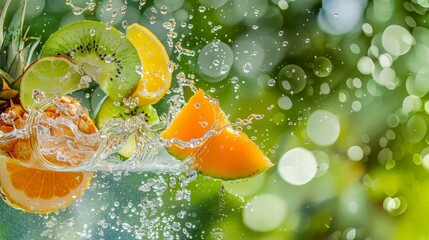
(104, 54)
(110, 110)
(97, 99)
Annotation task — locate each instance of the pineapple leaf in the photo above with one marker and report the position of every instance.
(12, 41)
(28, 51)
(2, 19)
(4, 76)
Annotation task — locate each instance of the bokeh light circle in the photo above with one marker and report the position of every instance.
(297, 166)
(323, 128)
(265, 213)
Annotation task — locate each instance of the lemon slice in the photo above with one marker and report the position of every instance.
(155, 77)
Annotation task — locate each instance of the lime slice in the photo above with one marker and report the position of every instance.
(48, 77)
(155, 78)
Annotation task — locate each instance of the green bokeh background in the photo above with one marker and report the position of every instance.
(382, 195)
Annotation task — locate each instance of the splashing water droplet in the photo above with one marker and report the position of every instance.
(163, 10)
(247, 67)
(202, 9)
(139, 70)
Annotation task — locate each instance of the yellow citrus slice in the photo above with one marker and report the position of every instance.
(155, 74)
(39, 191)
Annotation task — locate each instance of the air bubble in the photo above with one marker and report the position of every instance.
(292, 79)
(322, 67)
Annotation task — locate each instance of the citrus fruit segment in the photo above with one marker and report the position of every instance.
(230, 155)
(103, 53)
(199, 115)
(155, 77)
(39, 191)
(48, 77)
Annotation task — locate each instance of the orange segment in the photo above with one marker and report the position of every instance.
(230, 155)
(196, 118)
(156, 77)
(40, 191)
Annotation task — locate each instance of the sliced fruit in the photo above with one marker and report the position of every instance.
(230, 155)
(40, 191)
(110, 110)
(105, 55)
(199, 115)
(156, 76)
(97, 99)
(225, 154)
(48, 77)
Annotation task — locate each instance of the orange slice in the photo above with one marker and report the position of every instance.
(156, 76)
(39, 191)
(226, 154)
(195, 119)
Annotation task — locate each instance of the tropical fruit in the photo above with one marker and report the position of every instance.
(104, 55)
(36, 190)
(155, 78)
(109, 110)
(224, 153)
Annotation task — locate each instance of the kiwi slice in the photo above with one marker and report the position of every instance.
(105, 55)
(110, 110)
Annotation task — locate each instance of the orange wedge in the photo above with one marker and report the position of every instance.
(199, 115)
(156, 77)
(226, 154)
(39, 191)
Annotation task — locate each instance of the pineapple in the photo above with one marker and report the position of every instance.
(16, 52)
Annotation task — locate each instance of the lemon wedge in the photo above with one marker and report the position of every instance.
(155, 77)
